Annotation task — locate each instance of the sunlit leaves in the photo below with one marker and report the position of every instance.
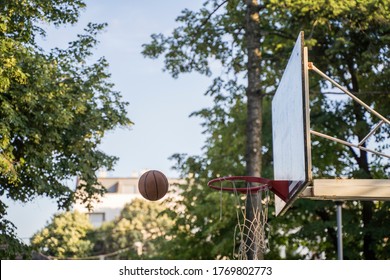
(55, 106)
(349, 40)
(140, 230)
(65, 236)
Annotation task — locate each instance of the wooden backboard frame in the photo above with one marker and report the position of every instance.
(291, 127)
(348, 189)
(292, 142)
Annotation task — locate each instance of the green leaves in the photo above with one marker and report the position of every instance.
(66, 236)
(142, 223)
(55, 106)
(349, 40)
(203, 37)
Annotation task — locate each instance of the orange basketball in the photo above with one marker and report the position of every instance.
(153, 185)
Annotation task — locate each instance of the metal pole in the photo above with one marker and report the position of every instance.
(372, 111)
(347, 143)
(339, 230)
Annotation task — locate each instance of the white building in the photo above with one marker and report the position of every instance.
(120, 190)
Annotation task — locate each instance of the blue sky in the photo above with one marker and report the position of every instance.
(159, 105)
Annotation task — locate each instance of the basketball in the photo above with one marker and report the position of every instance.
(153, 185)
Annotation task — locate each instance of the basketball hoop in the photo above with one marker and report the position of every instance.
(257, 184)
(251, 233)
(253, 185)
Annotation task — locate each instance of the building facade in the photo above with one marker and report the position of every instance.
(120, 190)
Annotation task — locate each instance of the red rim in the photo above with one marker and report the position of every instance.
(265, 184)
(278, 187)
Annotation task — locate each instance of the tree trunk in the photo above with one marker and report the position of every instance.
(254, 111)
(362, 160)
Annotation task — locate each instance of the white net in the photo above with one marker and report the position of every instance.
(250, 234)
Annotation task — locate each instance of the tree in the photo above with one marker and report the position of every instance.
(138, 233)
(204, 36)
(254, 121)
(66, 236)
(55, 108)
(349, 40)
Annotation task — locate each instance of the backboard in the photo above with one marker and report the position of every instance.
(291, 127)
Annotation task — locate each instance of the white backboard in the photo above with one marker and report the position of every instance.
(291, 127)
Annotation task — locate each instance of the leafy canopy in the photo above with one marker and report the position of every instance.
(55, 107)
(349, 40)
(65, 236)
(138, 232)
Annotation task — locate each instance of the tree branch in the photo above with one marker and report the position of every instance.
(354, 154)
(259, 8)
(213, 12)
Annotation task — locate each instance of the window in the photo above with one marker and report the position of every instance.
(97, 218)
(130, 189)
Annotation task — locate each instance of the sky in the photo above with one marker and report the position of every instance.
(159, 104)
